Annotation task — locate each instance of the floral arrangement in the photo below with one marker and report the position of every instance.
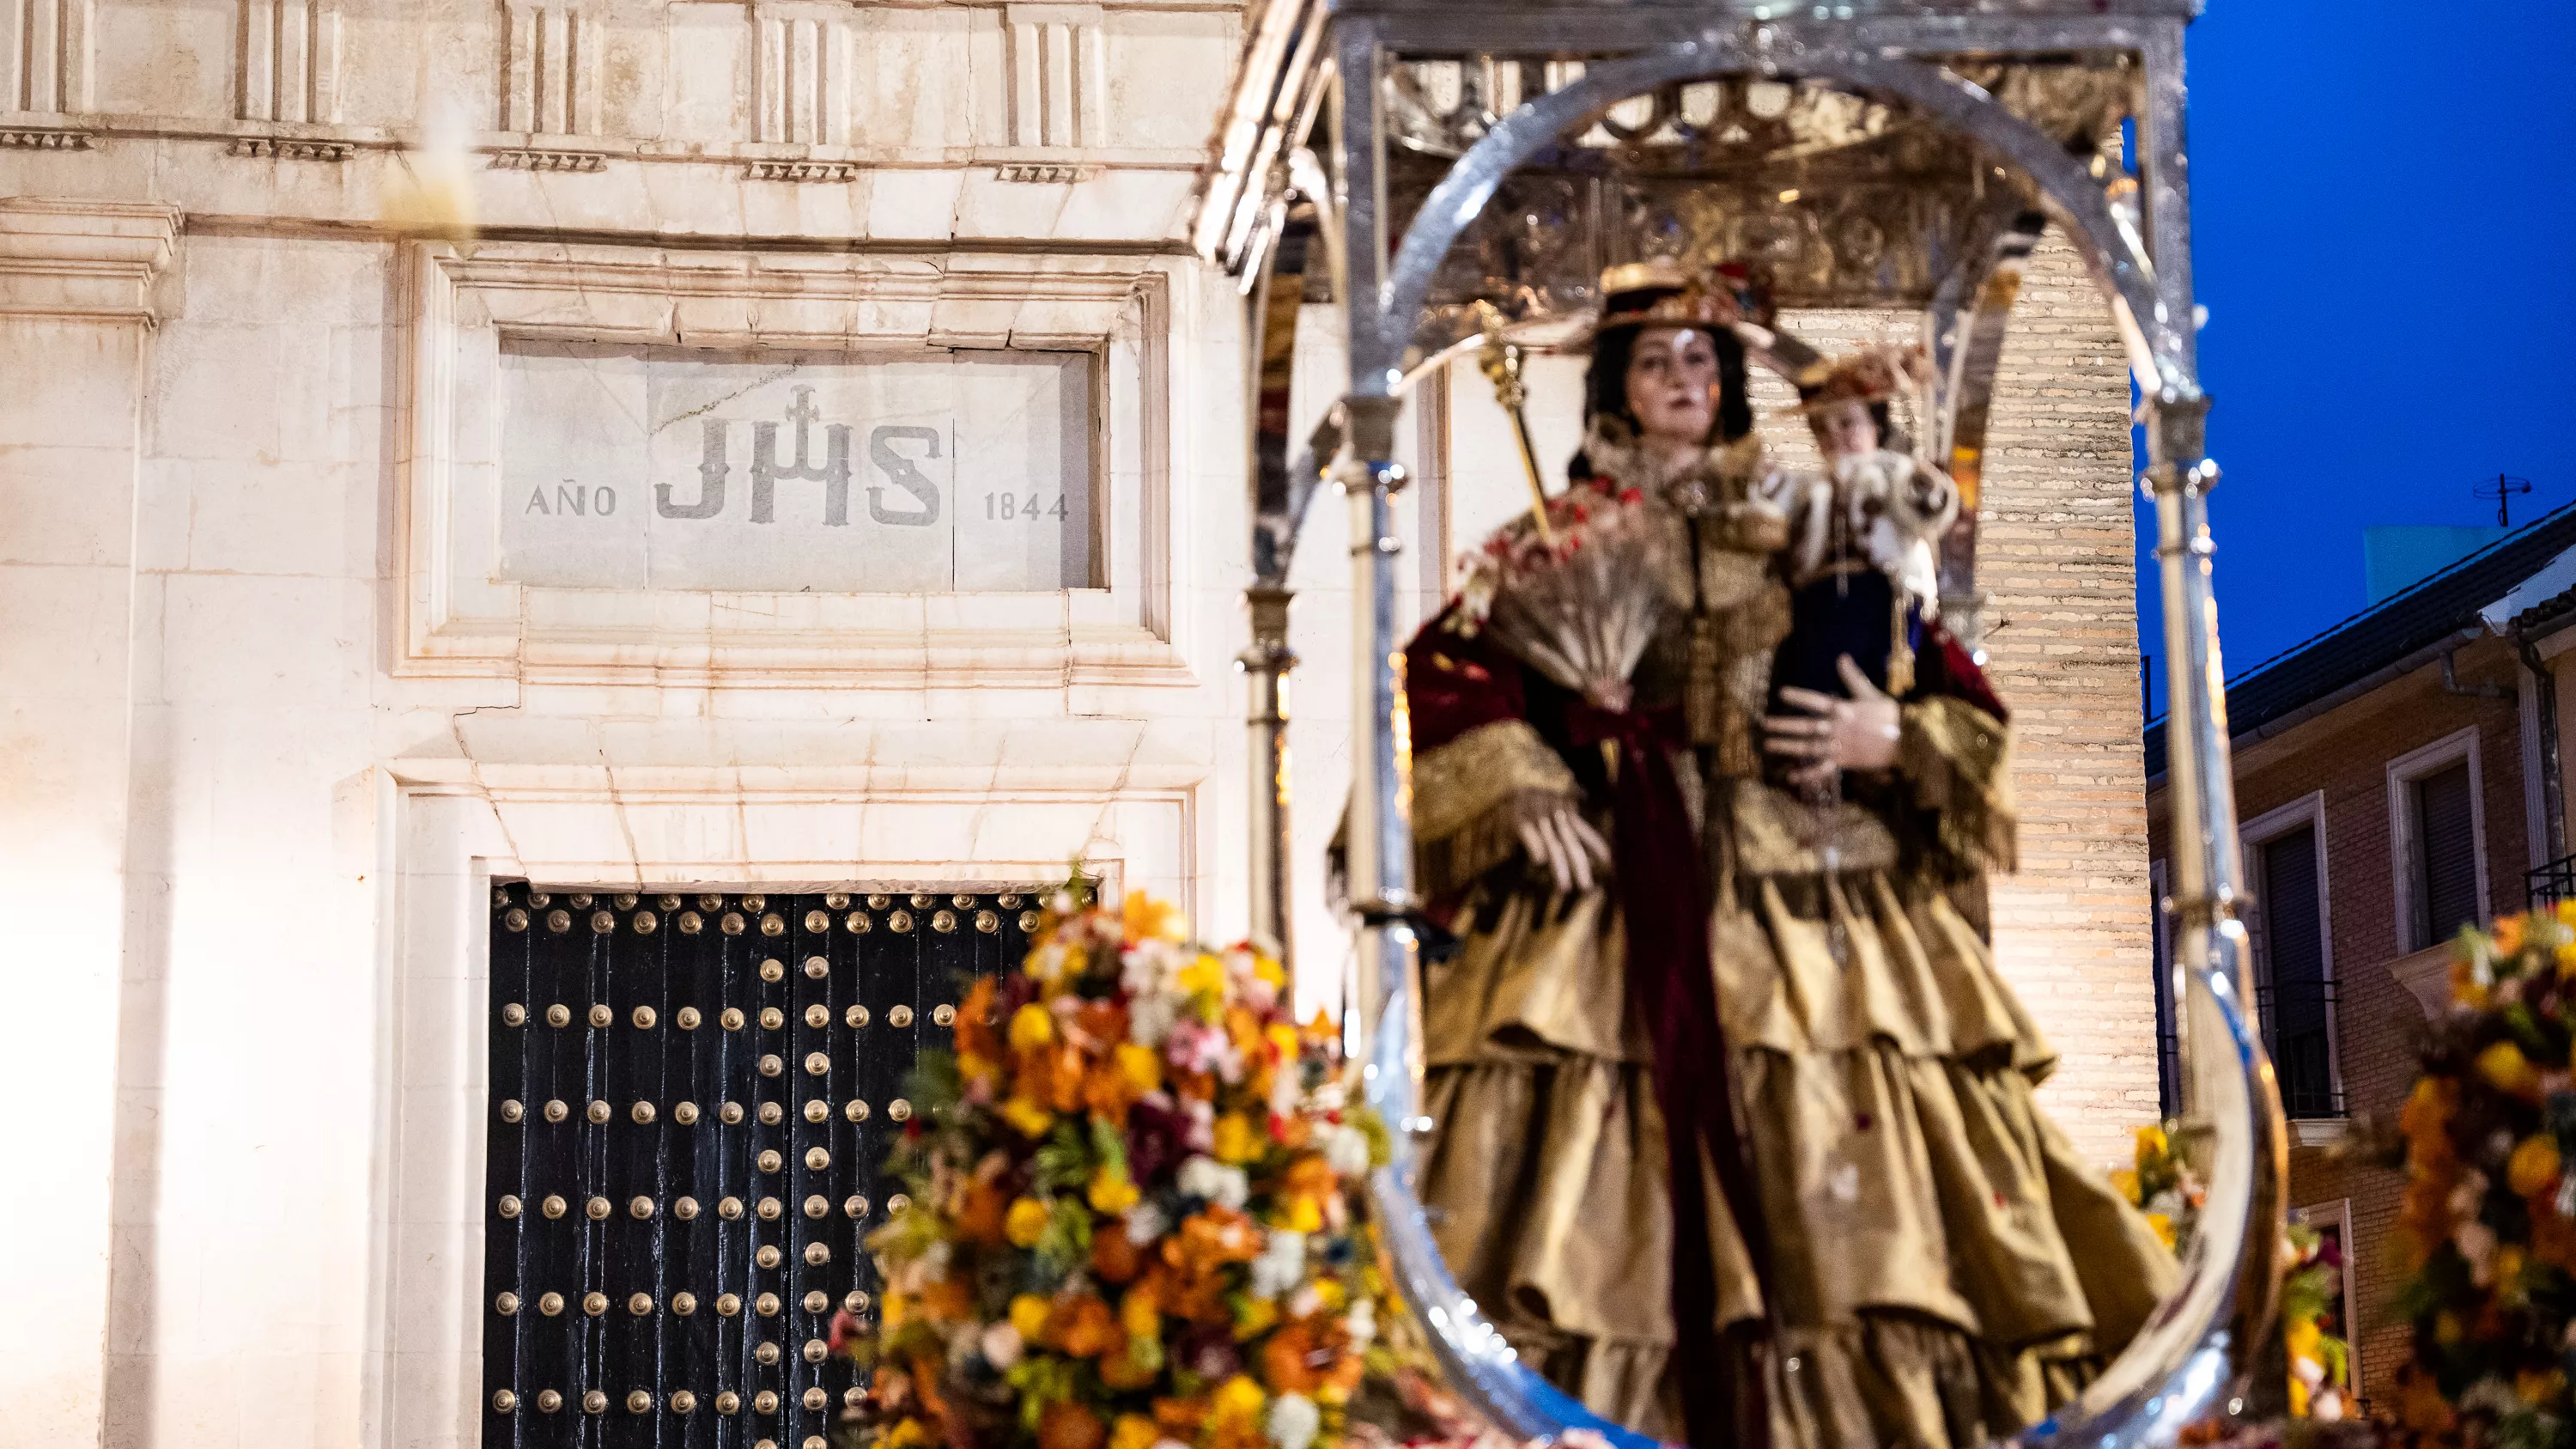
(2162, 1185)
(1580, 596)
(2487, 1225)
(1136, 1217)
(2312, 1301)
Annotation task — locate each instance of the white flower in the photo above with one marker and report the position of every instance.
(2477, 1243)
(1227, 1187)
(1306, 1302)
(1361, 1322)
(2326, 1407)
(1145, 1223)
(1293, 1421)
(1001, 1345)
(2168, 1202)
(1329, 1097)
(1346, 1151)
(2491, 1394)
(2468, 1195)
(1281, 1265)
(1150, 1019)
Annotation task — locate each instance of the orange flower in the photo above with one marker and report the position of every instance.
(1066, 1424)
(975, 1033)
(1083, 1327)
(1114, 1256)
(947, 1300)
(981, 1218)
(1180, 1418)
(1101, 1023)
(1124, 1369)
(1107, 1091)
(2507, 936)
(1286, 1361)
(1064, 1079)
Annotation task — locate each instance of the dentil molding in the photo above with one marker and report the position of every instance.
(61, 257)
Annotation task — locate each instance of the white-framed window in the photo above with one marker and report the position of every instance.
(2437, 830)
(2333, 1222)
(2291, 922)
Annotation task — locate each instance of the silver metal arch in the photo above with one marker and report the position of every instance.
(2191, 1359)
(2118, 254)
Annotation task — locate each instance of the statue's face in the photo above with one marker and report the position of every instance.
(1844, 430)
(1672, 385)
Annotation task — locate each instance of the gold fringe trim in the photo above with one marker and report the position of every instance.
(1467, 801)
(1957, 760)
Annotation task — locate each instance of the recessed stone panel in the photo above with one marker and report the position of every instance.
(772, 472)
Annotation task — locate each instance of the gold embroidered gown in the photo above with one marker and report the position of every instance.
(1942, 1267)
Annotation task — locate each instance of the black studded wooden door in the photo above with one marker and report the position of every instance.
(692, 1097)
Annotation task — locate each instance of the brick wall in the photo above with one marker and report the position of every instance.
(2345, 755)
(2055, 559)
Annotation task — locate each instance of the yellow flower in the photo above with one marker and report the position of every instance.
(1031, 1119)
(1031, 1026)
(1330, 1293)
(1112, 1193)
(1146, 919)
(1140, 1315)
(2164, 1229)
(1299, 1215)
(2567, 912)
(2533, 1168)
(2505, 1067)
(1269, 971)
(893, 1309)
(2152, 1142)
(2126, 1183)
(1236, 1141)
(2566, 954)
(1283, 1040)
(1133, 1431)
(1029, 1315)
(907, 1434)
(1237, 1400)
(1256, 1317)
(2540, 1386)
(1203, 977)
(1141, 1067)
(1026, 1223)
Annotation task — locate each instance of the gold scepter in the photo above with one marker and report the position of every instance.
(1501, 359)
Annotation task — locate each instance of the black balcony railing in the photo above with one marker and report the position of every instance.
(2298, 1030)
(2550, 884)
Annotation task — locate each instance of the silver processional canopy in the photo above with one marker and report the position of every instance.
(1450, 172)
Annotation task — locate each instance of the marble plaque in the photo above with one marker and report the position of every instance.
(918, 472)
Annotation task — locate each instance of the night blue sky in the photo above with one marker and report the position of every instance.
(2383, 196)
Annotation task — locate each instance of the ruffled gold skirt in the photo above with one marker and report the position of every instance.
(1943, 1268)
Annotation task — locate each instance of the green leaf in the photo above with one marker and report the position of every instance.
(1062, 1163)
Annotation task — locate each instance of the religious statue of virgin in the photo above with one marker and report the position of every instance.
(1734, 1129)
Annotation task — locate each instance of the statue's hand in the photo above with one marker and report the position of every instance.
(1828, 734)
(1557, 837)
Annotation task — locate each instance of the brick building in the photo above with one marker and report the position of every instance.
(2391, 775)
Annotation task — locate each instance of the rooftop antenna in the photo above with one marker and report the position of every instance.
(2502, 489)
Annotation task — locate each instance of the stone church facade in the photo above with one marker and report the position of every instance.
(319, 612)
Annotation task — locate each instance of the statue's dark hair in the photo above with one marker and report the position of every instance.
(1605, 387)
(1881, 416)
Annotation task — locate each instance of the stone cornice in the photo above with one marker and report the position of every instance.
(62, 257)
